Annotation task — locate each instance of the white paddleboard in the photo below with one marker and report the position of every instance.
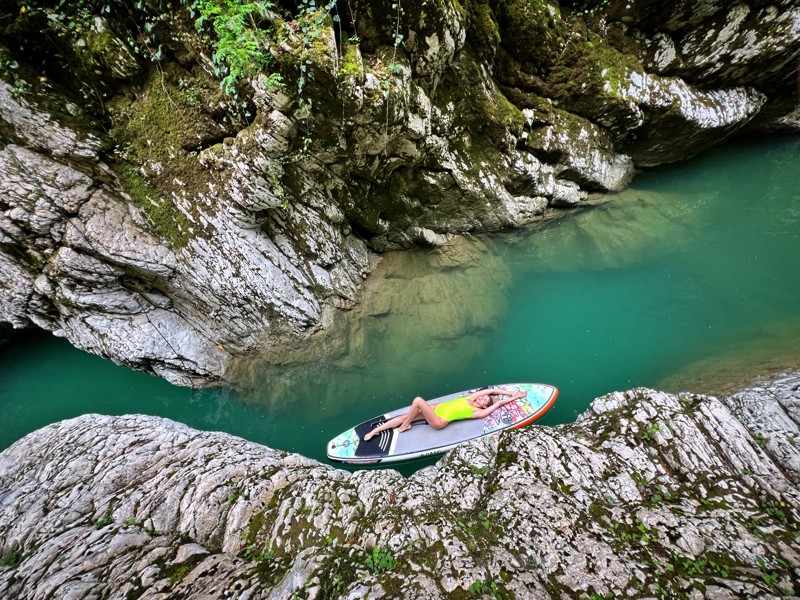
(423, 440)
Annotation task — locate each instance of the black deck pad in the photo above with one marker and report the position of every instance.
(377, 446)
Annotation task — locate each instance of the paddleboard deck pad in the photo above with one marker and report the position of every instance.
(423, 440)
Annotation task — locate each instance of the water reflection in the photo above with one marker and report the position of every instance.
(422, 314)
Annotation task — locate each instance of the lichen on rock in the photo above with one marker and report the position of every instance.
(353, 130)
(647, 493)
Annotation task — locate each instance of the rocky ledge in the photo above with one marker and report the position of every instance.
(151, 218)
(646, 494)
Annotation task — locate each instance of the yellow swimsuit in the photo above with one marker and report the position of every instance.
(455, 410)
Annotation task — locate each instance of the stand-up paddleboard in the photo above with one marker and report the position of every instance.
(423, 440)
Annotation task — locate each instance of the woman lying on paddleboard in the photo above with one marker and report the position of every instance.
(475, 406)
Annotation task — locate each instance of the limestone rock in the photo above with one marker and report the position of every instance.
(646, 493)
(190, 228)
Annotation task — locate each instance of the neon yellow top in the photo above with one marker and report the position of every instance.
(455, 410)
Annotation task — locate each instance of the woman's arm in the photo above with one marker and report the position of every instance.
(490, 391)
(480, 413)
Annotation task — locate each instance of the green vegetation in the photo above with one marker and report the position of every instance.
(380, 561)
(12, 559)
(590, 78)
(350, 64)
(662, 496)
(650, 431)
(481, 587)
(235, 494)
(336, 573)
(10, 72)
(478, 471)
(251, 552)
(482, 28)
(532, 30)
(176, 572)
(776, 510)
(771, 576)
(103, 521)
(166, 220)
(243, 38)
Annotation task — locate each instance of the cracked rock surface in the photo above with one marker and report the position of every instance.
(646, 494)
(150, 222)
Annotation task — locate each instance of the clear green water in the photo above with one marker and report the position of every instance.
(687, 281)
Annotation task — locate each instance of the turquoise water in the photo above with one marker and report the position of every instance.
(686, 281)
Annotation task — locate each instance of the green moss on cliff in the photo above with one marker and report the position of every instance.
(482, 29)
(351, 64)
(166, 220)
(590, 79)
(532, 31)
(478, 101)
(158, 128)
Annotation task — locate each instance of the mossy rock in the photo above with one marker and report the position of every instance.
(483, 107)
(590, 79)
(532, 31)
(351, 63)
(482, 30)
(158, 128)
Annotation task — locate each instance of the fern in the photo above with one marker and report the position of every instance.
(242, 48)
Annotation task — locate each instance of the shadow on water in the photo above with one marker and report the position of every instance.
(686, 280)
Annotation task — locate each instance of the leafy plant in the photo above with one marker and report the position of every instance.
(242, 47)
(645, 536)
(702, 565)
(380, 561)
(775, 509)
(650, 431)
(478, 471)
(487, 518)
(103, 521)
(480, 587)
(251, 553)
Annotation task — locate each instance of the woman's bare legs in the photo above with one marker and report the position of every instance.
(419, 410)
(390, 424)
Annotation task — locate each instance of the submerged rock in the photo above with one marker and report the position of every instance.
(647, 493)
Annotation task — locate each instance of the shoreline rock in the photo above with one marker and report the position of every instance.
(646, 493)
(151, 219)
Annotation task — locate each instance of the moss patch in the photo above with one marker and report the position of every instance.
(482, 106)
(590, 77)
(176, 572)
(482, 29)
(159, 126)
(166, 220)
(532, 31)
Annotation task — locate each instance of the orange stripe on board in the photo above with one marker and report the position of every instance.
(543, 410)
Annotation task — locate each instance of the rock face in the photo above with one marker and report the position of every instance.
(150, 218)
(647, 494)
